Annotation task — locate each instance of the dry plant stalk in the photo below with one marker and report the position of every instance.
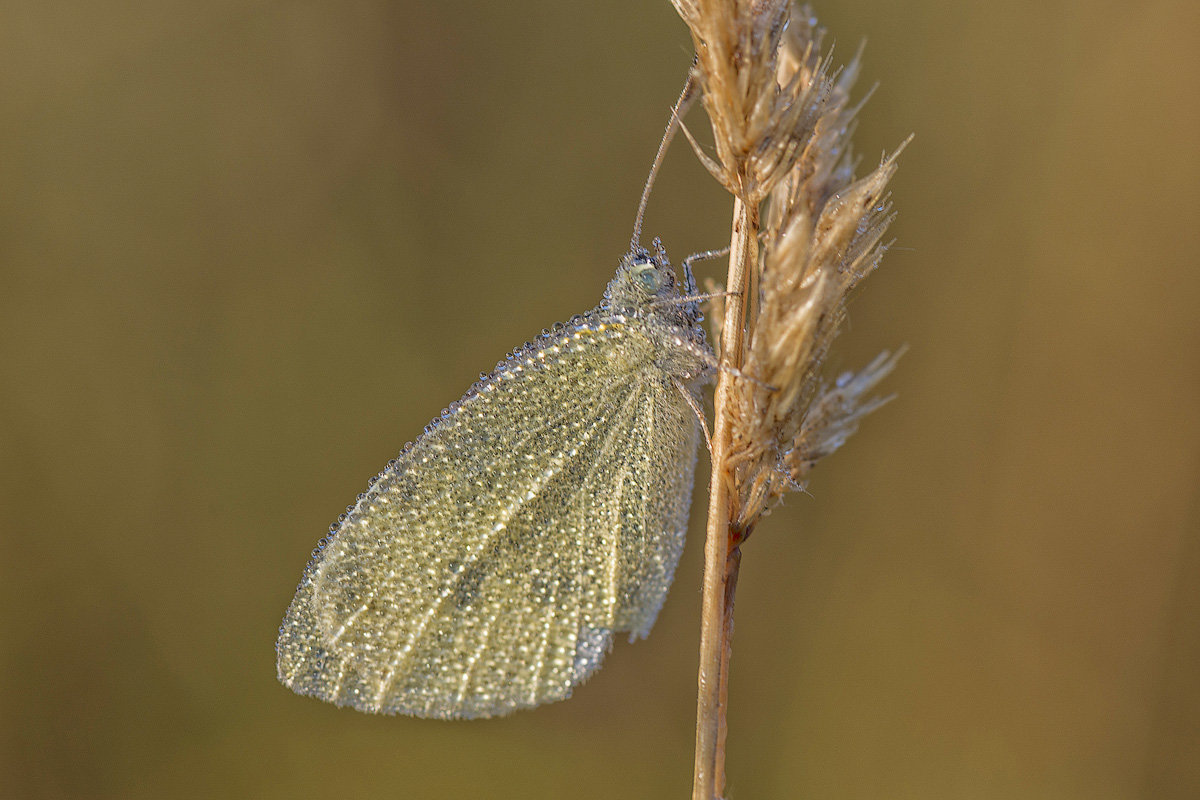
(805, 232)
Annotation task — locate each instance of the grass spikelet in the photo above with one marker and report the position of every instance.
(805, 231)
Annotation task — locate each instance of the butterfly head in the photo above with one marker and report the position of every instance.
(647, 284)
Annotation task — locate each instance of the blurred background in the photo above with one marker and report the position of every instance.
(248, 249)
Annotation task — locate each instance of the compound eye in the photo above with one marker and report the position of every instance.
(647, 276)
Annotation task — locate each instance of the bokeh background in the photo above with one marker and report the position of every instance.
(247, 250)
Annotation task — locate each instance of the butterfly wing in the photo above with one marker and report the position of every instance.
(488, 566)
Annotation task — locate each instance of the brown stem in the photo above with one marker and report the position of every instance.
(721, 554)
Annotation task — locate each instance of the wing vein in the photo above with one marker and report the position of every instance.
(606, 448)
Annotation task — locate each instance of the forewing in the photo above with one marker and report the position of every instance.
(487, 567)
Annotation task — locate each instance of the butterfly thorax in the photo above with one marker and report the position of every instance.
(645, 290)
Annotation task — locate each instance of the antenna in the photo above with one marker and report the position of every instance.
(677, 111)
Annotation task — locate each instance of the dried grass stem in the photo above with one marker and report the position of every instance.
(781, 122)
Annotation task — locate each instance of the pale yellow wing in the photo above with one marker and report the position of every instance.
(488, 566)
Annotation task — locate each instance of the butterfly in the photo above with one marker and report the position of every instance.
(488, 567)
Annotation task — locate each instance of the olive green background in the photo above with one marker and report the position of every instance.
(247, 250)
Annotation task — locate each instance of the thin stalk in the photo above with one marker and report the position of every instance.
(721, 554)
